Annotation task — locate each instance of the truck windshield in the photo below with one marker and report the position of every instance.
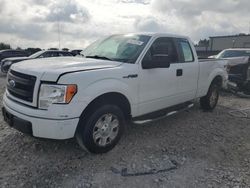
(124, 48)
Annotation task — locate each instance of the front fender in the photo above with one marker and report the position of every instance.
(101, 87)
(92, 84)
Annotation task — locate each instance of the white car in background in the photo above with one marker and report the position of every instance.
(238, 69)
(232, 53)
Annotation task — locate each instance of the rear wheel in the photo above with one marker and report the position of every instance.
(210, 101)
(102, 130)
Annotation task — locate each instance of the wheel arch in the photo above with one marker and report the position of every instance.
(115, 98)
(205, 101)
(84, 130)
(218, 80)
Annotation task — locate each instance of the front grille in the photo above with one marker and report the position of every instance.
(21, 85)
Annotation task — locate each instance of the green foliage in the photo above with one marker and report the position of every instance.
(203, 42)
(4, 46)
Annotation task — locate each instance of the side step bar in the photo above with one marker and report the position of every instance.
(179, 108)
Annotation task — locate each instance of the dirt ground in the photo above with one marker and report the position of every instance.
(190, 149)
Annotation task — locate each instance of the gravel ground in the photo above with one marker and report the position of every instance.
(190, 149)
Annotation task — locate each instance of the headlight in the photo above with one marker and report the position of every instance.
(55, 94)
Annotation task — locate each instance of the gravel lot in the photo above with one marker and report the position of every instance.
(190, 149)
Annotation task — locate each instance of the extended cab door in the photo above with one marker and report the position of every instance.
(158, 87)
(188, 71)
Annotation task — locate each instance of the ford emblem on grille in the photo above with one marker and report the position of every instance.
(12, 83)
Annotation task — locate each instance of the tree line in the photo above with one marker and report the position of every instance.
(29, 51)
(4, 46)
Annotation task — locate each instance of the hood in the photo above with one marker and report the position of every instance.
(49, 69)
(16, 58)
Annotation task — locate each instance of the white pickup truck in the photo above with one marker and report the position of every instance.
(136, 77)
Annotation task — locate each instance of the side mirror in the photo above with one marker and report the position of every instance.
(158, 61)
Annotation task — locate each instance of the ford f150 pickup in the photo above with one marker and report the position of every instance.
(138, 77)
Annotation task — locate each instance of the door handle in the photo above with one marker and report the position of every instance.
(179, 72)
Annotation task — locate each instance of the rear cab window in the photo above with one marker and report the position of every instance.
(185, 50)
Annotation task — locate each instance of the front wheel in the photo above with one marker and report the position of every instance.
(210, 101)
(101, 131)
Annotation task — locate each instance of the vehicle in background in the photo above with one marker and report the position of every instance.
(232, 52)
(239, 74)
(238, 69)
(53, 49)
(212, 56)
(76, 52)
(6, 63)
(12, 53)
(134, 77)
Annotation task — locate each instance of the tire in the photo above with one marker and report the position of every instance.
(210, 101)
(101, 130)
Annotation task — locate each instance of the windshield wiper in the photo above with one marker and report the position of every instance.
(98, 57)
(124, 60)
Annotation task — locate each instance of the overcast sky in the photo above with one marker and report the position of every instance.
(34, 23)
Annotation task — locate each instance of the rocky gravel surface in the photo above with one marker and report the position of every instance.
(190, 149)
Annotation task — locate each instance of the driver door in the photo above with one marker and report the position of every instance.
(159, 86)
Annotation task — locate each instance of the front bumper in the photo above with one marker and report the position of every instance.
(37, 126)
(17, 123)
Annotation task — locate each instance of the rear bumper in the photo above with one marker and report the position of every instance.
(38, 127)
